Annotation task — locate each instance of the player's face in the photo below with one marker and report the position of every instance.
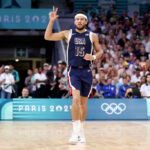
(80, 23)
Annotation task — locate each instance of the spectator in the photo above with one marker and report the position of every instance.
(28, 81)
(130, 33)
(62, 67)
(137, 76)
(129, 52)
(40, 81)
(147, 66)
(133, 92)
(145, 88)
(143, 63)
(143, 52)
(34, 85)
(48, 73)
(126, 68)
(1, 71)
(146, 43)
(54, 84)
(96, 88)
(137, 50)
(135, 18)
(138, 85)
(124, 16)
(6, 81)
(110, 11)
(47, 70)
(111, 71)
(102, 78)
(143, 80)
(109, 89)
(123, 88)
(25, 93)
(95, 73)
(91, 9)
(16, 77)
(91, 25)
(63, 91)
(122, 40)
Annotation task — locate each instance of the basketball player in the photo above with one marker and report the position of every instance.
(79, 52)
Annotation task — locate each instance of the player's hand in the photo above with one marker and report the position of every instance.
(53, 15)
(88, 57)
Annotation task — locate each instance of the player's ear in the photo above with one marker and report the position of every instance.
(86, 21)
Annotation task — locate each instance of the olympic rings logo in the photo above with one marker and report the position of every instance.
(113, 108)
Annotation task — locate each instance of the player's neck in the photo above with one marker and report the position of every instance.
(80, 31)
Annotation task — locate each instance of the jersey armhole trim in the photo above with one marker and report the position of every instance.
(70, 34)
(69, 37)
(91, 37)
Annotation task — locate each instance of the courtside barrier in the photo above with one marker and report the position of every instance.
(6, 109)
(117, 109)
(60, 109)
(148, 107)
(42, 109)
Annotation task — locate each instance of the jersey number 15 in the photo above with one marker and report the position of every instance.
(80, 51)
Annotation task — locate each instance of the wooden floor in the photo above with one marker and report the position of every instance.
(103, 135)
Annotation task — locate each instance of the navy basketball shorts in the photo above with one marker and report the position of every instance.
(81, 79)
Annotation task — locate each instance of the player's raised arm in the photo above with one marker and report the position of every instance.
(49, 35)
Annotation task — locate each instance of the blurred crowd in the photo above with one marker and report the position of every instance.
(125, 44)
(122, 72)
(43, 82)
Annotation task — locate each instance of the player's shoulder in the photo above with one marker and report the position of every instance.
(94, 36)
(65, 31)
(91, 33)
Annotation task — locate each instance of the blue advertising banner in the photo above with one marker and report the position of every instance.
(6, 109)
(60, 109)
(117, 109)
(24, 18)
(148, 107)
(41, 109)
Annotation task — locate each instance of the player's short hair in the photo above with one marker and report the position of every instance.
(82, 13)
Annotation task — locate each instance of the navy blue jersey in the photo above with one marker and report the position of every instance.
(79, 44)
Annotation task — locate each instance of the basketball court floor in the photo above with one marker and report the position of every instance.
(101, 135)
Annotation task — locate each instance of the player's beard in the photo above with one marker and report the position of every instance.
(81, 28)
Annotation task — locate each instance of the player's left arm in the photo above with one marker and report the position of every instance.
(96, 48)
